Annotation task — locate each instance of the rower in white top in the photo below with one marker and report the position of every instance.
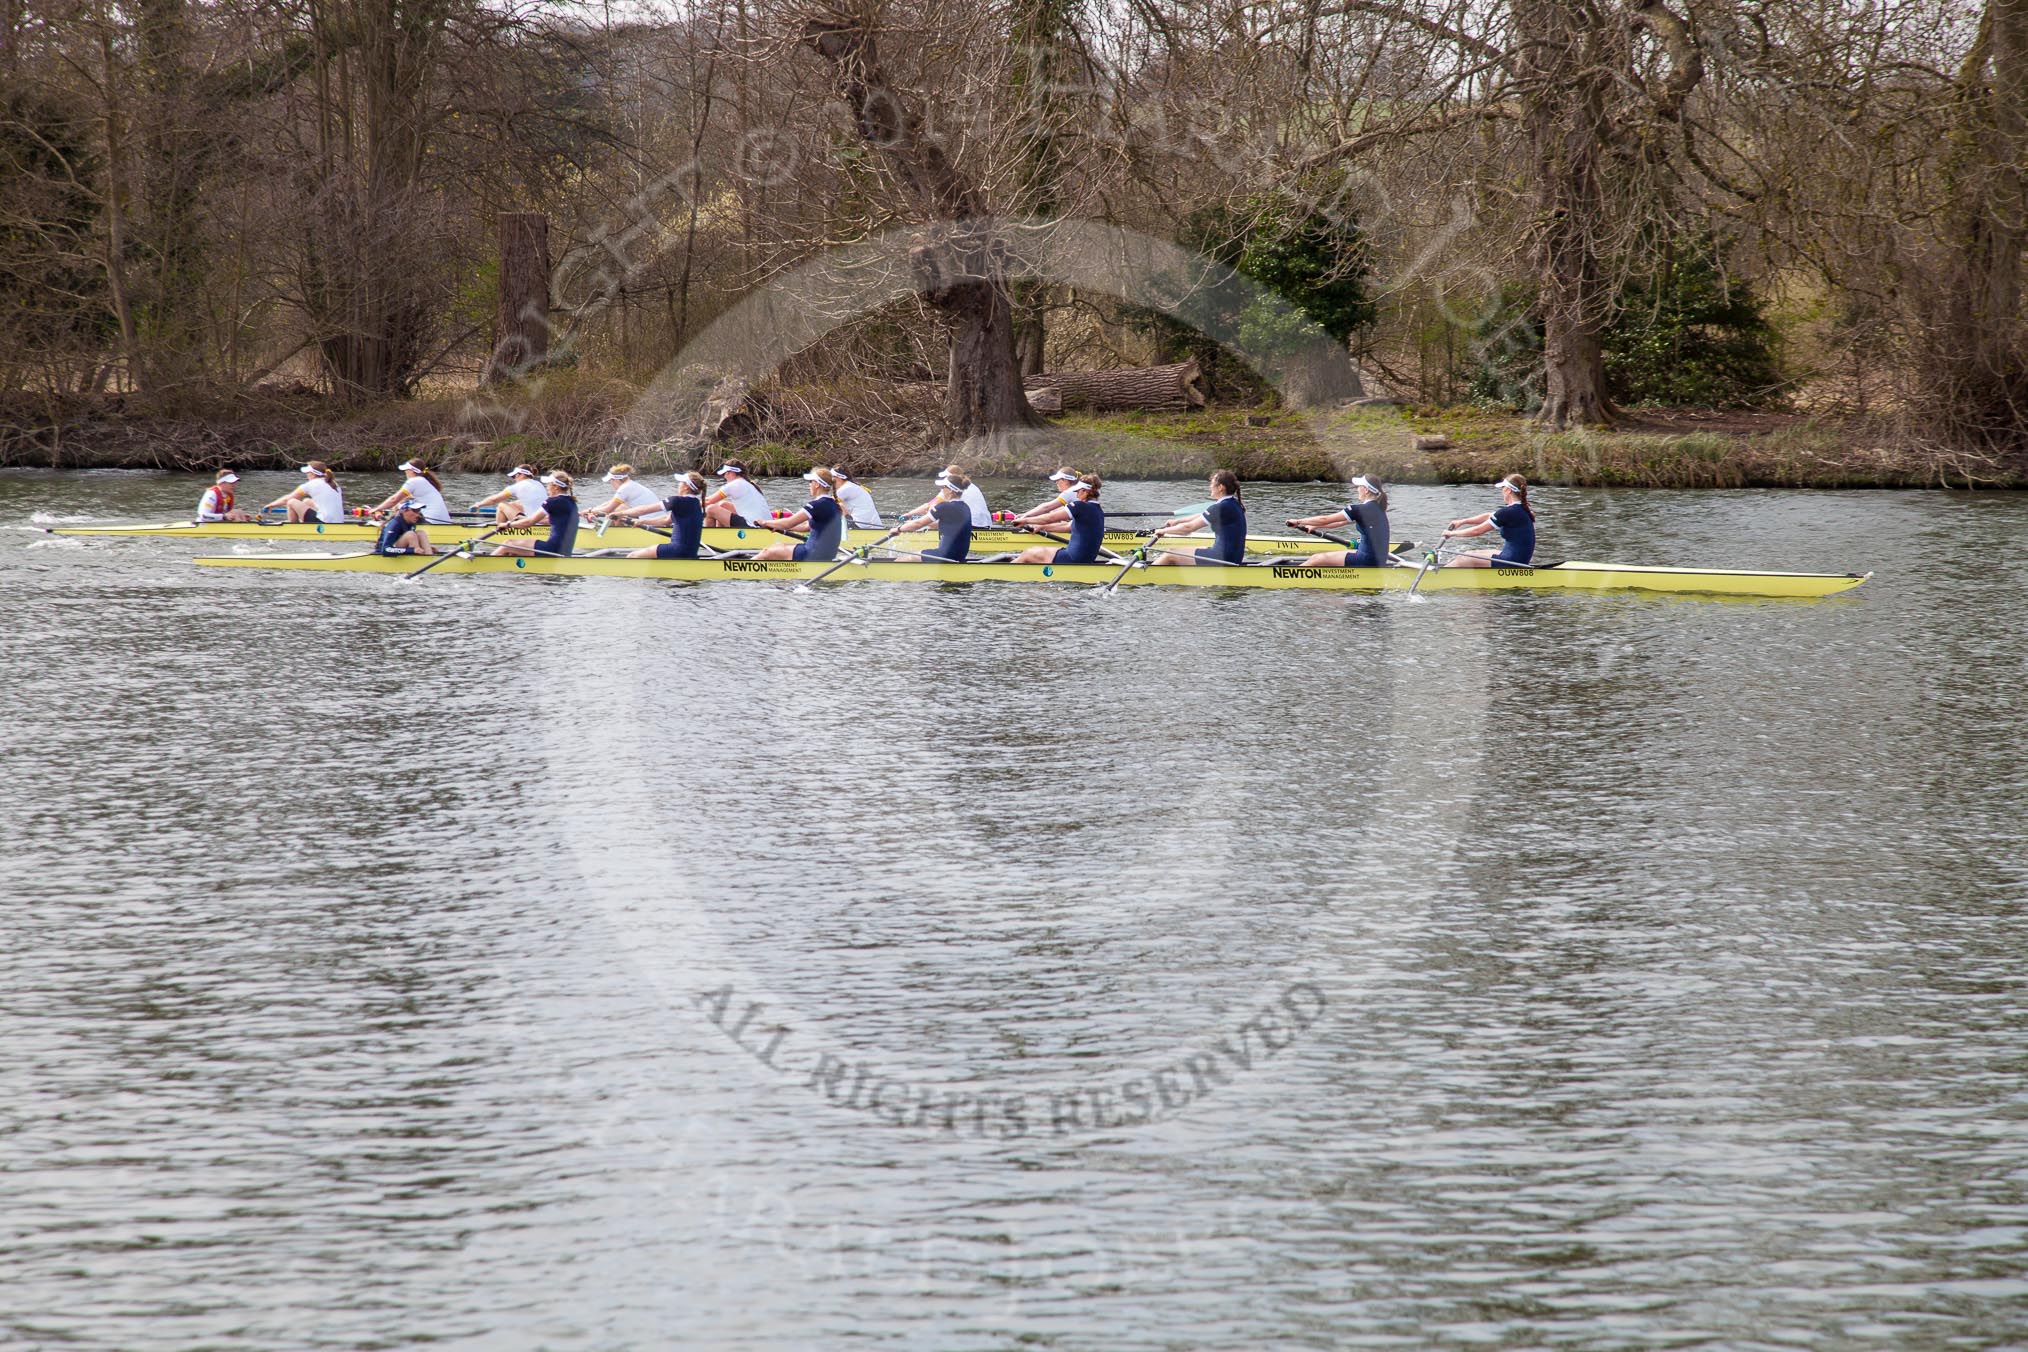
(317, 499)
(628, 492)
(421, 488)
(738, 503)
(522, 496)
(974, 500)
(1052, 511)
(860, 512)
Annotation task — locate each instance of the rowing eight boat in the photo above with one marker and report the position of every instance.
(1570, 576)
(984, 539)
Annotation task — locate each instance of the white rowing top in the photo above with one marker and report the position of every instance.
(530, 494)
(424, 494)
(982, 515)
(329, 501)
(747, 500)
(634, 493)
(858, 504)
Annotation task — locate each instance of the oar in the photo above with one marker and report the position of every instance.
(1429, 559)
(1322, 535)
(1110, 553)
(850, 556)
(1134, 556)
(465, 549)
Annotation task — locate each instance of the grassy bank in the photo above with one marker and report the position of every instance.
(582, 422)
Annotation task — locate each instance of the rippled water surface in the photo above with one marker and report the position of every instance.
(517, 962)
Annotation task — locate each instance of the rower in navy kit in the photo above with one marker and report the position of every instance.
(558, 512)
(825, 518)
(1515, 521)
(683, 514)
(951, 515)
(982, 515)
(1050, 511)
(404, 532)
(1367, 514)
(1087, 527)
(1225, 518)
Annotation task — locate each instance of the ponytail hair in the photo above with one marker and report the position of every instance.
(825, 482)
(1226, 480)
(1520, 487)
(425, 472)
(323, 472)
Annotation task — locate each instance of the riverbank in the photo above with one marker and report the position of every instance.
(580, 423)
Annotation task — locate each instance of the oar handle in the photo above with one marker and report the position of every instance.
(1322, 535)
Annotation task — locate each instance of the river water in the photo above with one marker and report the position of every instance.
(576, 963)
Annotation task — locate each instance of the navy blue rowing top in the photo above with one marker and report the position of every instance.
(1087, 532)
(1517, 534)
(686, 524)
(827, 527)
(1227, 520)
(1370, 519)
(562, 510)
(395, 528)
(954, 530)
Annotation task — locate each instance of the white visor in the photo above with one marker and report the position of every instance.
(1061, 478)
(228, 478)
(1508, 486)
(618, 478)
(305, 469)
(522, 470)
(407, 467)
(552, 481)
(1363, 482)
(812, 478)
(724, 470)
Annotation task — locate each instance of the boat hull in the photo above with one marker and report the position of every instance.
(1570, 576)
(984, 540)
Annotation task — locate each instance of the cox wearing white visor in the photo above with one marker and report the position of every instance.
(421, 488)
(522, 497)
(1366, 513)
(215, 502)
(628, 492)
(317, 499)
(1513, 518)
(738, 503)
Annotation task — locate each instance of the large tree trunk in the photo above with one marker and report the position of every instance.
(961, 269)
(1156, 388)
(521, 320)
(1565, 116)
(170, 316)
(1980, 356)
